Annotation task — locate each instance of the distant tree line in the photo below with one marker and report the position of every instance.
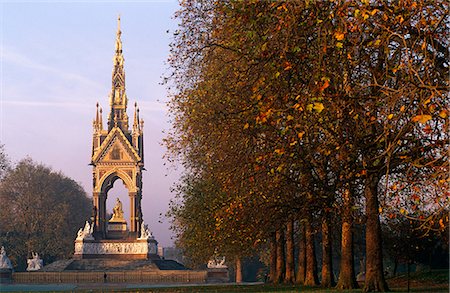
(41, 211)
(294, 117)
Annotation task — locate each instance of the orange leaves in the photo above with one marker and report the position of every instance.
(263, 116)
(421, 118)
(339, 36)
(287, 65)
(279, 151)
(443, 113)
(325, 85)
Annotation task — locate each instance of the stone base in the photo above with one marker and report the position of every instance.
(218, 275)
(117, 230)
(116, 249)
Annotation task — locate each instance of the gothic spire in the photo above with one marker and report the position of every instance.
(118, 98)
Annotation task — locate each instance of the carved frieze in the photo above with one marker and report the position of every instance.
(102, 248)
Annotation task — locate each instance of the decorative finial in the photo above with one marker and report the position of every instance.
(101, 119)
(96, 115)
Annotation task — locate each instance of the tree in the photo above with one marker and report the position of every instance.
(4, 161)
(288, 105)
(42, 211)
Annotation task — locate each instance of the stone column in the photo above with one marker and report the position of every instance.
(100, 204)
(96, 202)
(133, 212)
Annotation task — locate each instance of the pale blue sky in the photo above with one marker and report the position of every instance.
(56, 63)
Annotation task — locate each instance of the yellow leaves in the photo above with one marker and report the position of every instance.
(443, 113)
(390, 116)
(298, 107)
(246, 125)
(377, 43)
(339, 45)
(300, 134)
(373, 12)
(339, 36)
(280, 168)
(421, 118)
(290, 117)
(402, 108)
(318, 107)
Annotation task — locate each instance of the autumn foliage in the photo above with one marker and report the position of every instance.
(306, 111)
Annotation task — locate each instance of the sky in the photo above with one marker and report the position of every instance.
(56, 64)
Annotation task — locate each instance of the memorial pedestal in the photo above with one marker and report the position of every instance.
(218, 275)
(116, 249)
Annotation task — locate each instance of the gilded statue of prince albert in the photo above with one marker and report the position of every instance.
(117, 211)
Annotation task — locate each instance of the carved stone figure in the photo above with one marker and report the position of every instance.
(5, 263)
(145, 232)
(117, 211)
(217, 263)
(86, 232)
(35, 263)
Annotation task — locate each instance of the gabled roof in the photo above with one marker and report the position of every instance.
(116, 134)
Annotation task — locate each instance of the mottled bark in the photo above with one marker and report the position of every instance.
(374, 259)
(347, 279)
(238, 270)
(280, 256)
(301, 262)
(273, 258)
(290, 266)
(327, 265)
(311, 278)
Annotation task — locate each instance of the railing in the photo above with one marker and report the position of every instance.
(166, 277)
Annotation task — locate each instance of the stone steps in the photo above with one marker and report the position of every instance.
(57, 266)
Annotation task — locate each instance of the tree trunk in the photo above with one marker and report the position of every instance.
(374, 258)
(301, 264)
(327, 267)
(290, 267)
(347, 279)
(238, 270)
(273, 258)
(280, 256)
(311, 278)
(394, 273)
